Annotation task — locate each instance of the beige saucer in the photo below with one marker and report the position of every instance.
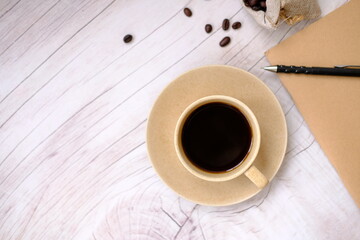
(198, 83)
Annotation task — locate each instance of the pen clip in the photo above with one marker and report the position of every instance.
(347, 66)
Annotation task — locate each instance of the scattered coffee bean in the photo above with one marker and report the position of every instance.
(246, 2)
(225, 41)
(187, 12)
(236, 25)
(208, 28)
(128, 38)
(225, 24)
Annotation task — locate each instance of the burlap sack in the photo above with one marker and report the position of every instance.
(290, 11)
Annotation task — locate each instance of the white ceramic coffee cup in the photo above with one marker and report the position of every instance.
(246, 166)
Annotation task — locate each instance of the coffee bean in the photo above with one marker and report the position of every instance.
(128, 38)
(225, 41)
(246, 2)
(236, 25)
(208, 28)
(253, 2)
(263, 4)
(256, 8)
(187, 12)
(225, 24)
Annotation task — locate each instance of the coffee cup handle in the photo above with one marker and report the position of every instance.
(256, 177)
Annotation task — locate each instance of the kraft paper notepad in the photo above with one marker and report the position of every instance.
(329, 104)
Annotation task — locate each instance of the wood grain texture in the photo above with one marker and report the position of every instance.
(74, 101)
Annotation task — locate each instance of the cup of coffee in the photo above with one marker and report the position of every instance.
(217, 138)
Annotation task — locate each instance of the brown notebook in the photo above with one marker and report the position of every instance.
(329, 104)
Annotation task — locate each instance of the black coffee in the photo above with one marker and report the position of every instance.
(216, 137)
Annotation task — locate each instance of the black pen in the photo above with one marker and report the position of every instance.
(341, 70)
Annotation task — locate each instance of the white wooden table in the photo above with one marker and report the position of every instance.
(73, 113)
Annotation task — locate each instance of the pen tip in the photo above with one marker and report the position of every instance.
(270, 68)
